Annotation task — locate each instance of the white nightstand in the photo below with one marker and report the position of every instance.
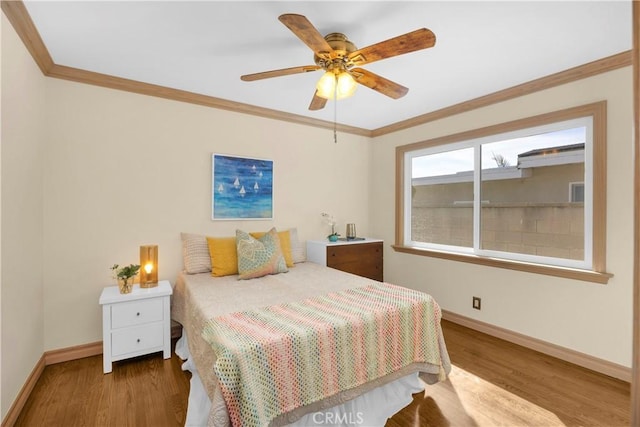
(136, 323)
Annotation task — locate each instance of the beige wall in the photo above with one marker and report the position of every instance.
(23, 111)
(88, 174)
(3, 24)
(124, 170)
(121, 170)
(586, 317)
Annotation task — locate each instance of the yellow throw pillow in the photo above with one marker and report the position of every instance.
(224, 256)
(285, 244)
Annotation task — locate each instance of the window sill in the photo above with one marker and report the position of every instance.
(549, 270)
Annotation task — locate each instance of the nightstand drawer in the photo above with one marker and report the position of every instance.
(136, 313)
(136, 339)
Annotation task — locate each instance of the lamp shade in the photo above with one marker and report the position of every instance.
(346, 85)
(148, 266)
(326, 86)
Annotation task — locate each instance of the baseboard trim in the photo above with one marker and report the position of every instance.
(15, 410)
(52, 357)
(577, 358)
(67, 354)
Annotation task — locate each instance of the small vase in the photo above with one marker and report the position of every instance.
(333, 238)
(125, 285)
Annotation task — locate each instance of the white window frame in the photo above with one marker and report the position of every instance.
(573, 185)
(592, 268)
(476, 144)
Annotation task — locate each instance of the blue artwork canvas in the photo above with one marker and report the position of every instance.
(242, 188)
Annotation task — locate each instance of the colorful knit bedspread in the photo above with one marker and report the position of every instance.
(275, 359)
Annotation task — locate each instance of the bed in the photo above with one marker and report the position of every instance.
(199, 299)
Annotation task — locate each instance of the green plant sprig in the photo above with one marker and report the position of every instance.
(125, 272)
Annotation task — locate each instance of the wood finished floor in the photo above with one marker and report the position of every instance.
(493, 383)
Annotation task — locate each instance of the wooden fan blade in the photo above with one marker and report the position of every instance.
(406, 43)
(378, 83)
(278, 73)
(317, 103)
(301, 27)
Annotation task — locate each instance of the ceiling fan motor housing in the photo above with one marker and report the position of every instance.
(342, 47)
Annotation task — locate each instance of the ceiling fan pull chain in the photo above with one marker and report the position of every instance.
(335, 111)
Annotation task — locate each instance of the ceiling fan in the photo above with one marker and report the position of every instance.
(340, 59)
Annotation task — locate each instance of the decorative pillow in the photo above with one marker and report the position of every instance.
(259, 257)
(195, 253)
(297, 249)
(224, 259)
(285, 244)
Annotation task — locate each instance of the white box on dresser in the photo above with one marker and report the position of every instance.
(136, 323)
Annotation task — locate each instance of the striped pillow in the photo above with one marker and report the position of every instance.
(297, 249)
(195, 253)
(259, 257)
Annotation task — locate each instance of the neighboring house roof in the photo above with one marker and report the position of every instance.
(552, 156)
(553, 150)
(549, 156)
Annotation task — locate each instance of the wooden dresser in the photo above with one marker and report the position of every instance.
(361, 257)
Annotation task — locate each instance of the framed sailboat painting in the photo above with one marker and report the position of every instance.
(242, 188)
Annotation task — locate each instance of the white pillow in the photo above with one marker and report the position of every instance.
(297, 249)
(195, 253)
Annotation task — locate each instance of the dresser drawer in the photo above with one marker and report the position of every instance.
(363, 259)
(346, 254)
(136, 313)
(137, 339)
(371, 270)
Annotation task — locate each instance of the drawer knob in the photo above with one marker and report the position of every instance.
(138, 340)
(138, 314)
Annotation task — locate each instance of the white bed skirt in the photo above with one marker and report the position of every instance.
(369, 409)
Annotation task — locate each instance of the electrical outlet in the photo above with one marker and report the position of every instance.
(477, 303)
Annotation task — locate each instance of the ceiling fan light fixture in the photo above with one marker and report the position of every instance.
(326, 85)
(346, 85)
(341, 85)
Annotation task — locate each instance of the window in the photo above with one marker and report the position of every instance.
(576, 192)
(498, 195)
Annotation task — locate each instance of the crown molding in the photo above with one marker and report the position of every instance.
(17, 14)
(19, 18)
(118, 83)
(599, 66)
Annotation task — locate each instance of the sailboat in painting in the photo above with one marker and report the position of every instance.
(243, 188)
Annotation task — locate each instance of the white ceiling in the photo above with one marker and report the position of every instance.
(205, 46)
